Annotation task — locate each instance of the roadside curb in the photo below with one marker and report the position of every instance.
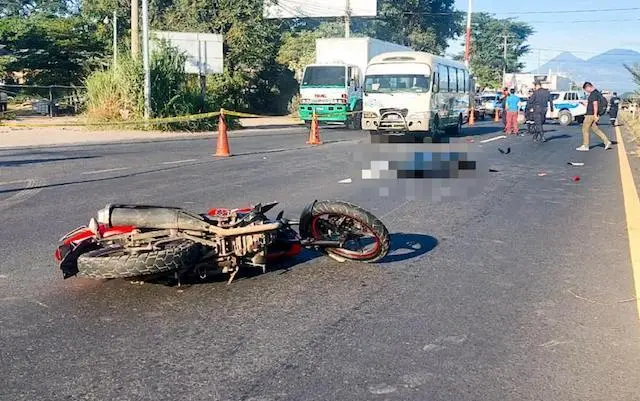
(238, 133)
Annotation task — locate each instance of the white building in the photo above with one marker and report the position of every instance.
(524, 82)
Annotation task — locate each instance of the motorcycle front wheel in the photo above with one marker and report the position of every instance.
(365, 238)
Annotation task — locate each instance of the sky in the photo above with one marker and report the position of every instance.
(557, 27)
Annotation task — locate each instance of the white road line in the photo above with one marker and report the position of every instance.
(12, 182)
(105, 171)
(493, 139)
(181, 161)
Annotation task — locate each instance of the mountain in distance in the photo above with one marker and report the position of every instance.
(605, 70)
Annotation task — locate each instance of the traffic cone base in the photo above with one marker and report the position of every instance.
(222, 146)
(314, 132)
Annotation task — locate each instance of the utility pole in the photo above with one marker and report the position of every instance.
(115, 37)
(135, 20)
(467, 47)
(347, 19)
(504, 69)
(145, 58)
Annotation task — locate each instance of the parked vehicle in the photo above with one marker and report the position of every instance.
(332, 87)
(480, 109)
(491, 102)
(138, 240)
(417, 93)
(568, 106)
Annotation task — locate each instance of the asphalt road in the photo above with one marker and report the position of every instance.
(511, 294)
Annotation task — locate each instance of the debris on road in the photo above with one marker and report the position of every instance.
(345, 181)
(505, 152)
(575, 164)
(576, 178)
(542, 174)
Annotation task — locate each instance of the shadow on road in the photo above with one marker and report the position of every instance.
(408, 246)
(16, 163)
(562, 136)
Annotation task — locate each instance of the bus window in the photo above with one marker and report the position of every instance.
(444, 78)
(461, 81)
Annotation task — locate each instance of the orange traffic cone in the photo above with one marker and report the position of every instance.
(314, 133)
(222, 148)
(472, 117)
(497, 117)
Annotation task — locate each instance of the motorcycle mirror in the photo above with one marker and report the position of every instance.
(280, 215)
(267, 207)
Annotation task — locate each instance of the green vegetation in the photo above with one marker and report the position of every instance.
(487, 48)
(68, 42)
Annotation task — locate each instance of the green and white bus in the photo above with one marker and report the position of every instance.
(416, 92)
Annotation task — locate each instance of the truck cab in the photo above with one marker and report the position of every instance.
(333, 92)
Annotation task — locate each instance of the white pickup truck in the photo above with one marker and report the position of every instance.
(568, 107)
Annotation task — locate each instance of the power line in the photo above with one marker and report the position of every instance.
(608, 21)
(528, 12)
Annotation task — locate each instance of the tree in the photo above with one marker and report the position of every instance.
(424, 25)
(635, 73)
(24, 8)
(51, 50)
(487, 48)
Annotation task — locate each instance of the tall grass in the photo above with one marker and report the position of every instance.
(117, 94)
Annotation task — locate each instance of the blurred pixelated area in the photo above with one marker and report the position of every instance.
(417, 168)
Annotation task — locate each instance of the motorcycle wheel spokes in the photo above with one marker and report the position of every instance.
(359, 240)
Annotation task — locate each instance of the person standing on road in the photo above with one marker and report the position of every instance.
(538, 104)
(596, 104)
(613, 109)
(512, 107)
(4, 100)
(503, 102)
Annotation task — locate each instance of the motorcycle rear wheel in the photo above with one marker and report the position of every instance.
(117, 262)
(358, 218)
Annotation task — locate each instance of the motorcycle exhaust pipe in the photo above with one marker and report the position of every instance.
(151, 217)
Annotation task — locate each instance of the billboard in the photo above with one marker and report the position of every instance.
(282, 9)
(204, 50)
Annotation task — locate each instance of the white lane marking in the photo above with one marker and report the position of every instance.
(105, 171)
(181, 161)
(12, 182)
(493, 139)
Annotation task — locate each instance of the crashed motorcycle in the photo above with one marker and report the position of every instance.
(127, 241)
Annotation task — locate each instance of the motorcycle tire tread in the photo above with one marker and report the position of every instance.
(355, 211)
(104, 264)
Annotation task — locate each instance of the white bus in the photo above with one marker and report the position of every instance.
(416, 92)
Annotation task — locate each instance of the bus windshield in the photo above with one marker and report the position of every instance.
(397, 83)
(324, 76)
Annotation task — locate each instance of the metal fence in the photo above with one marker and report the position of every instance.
(51, 100)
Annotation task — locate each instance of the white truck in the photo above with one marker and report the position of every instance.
(332, 87)
(568, 106)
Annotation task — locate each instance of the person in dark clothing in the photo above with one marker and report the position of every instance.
(537, 105)
(592, 118)
(613, 109)
(503, 102)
